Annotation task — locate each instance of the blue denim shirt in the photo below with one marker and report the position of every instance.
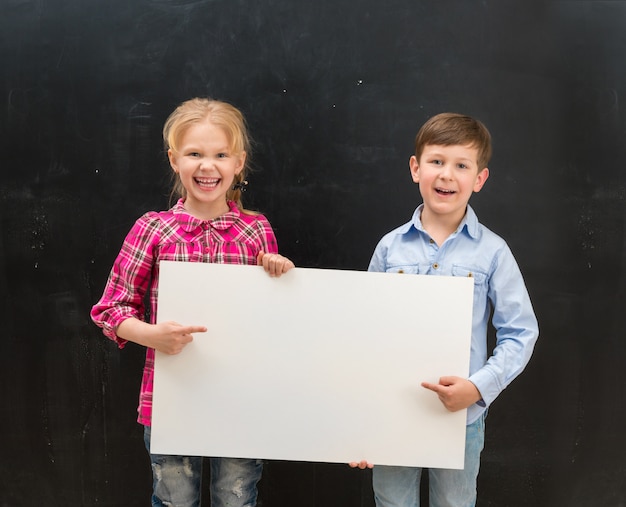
(472, 250)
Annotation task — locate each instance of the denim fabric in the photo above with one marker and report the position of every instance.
(233, 482)
(400, 486)
(177, 480)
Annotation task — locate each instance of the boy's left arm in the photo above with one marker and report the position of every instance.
(516, 328)
(516, 333)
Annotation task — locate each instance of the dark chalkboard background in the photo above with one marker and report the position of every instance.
(334, 92)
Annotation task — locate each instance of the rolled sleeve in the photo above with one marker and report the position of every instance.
(123, 296)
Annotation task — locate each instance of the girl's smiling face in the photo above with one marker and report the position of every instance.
(447, 177)
(206, 167)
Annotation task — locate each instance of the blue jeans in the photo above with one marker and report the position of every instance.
(176, 480)
(400, 486)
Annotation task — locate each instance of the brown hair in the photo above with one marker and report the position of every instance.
(220, 114)
(447, 129)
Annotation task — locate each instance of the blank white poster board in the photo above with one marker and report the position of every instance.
(317, 365)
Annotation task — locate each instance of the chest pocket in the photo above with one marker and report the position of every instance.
(480, 278)
(180, 252)
(408, 269)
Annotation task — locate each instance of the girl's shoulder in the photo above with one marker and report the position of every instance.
(153, 224)
(256, 221)
(154, 218)
(252, 226)
(252, 217)
(162, 216)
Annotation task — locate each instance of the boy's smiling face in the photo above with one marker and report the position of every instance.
(447, 177)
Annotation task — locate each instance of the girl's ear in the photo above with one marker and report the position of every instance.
(170, 156)
(242, 162)
(414, 166)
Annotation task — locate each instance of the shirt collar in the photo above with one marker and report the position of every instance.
(189, 223)
(469, 223)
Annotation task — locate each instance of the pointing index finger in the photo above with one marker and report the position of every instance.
(194, 329)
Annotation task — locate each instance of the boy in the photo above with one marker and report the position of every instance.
(444, 237)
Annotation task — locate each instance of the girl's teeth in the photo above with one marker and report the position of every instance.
(207, 182)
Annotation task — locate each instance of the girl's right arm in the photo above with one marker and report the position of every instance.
(129, 280)
(168, 337)
(120, 312)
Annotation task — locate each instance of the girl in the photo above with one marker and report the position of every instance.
(207, 145)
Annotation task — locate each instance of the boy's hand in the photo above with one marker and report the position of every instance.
(361, 464)
(455, 393)
(274, 264)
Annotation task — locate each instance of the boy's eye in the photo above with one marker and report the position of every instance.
(437, 162)
(194, 154)
(462, 166)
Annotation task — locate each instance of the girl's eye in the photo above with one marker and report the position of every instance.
(222, 155)
(194, 154)
(462, 166)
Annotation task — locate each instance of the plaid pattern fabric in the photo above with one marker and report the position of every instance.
(174, 235)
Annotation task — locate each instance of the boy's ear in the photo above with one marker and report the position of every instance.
(414, 167)
(481, 177)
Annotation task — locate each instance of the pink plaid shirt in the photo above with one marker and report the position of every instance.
(174, 235)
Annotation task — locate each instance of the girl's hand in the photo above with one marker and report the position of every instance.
(455, 393)
(167, 337)
(361, 464)
(171, 337)
(274, 264)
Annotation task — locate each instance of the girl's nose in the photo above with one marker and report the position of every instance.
(205, 163)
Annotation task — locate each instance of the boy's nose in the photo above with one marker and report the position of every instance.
(446, 172)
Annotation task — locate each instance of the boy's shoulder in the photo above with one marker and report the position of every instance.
(470, 229)
(400, 230)
(405, 228)
(481, 233)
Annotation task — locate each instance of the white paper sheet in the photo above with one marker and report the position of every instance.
(317, 365)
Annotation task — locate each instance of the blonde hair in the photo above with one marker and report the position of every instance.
(222, 115)
(452, 128)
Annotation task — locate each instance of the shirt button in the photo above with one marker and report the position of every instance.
(435, 266)
(431, 241)
(206, 250)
